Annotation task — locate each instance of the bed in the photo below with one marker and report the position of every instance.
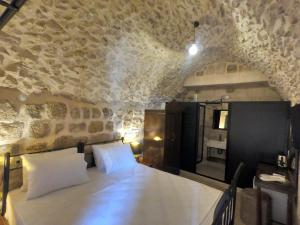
(137, 196)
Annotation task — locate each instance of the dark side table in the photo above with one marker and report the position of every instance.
(288, 188)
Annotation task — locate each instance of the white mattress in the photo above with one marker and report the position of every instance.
(140, 196)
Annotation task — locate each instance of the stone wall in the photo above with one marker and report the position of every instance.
(136, 51)
(241, 92)
(42, 122)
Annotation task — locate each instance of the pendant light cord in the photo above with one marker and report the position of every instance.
(196, 24)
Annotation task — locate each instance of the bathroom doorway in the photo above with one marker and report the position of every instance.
(211, 156)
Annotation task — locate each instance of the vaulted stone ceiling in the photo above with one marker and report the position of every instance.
(136, 51)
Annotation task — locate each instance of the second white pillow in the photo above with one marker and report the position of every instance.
(114, 157)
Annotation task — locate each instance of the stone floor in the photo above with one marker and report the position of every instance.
(221, 186)
(212, 169)
(218, 185)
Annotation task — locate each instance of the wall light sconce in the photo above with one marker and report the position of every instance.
(129, 135)
(135, 143)
(136, 147)
(193, 50)
(157, 138)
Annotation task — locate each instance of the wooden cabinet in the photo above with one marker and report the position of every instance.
(172, 137)
(2, 221)
(154, 129)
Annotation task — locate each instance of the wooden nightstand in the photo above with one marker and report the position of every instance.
(2, 221)
(138, 157)
(147, 164)
(140, 160)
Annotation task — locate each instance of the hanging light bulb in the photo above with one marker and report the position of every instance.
(193, 50)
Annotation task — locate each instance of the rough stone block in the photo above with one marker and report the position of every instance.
(39, 147)
(137, 122)
(7, 112)
(127, 124)
(101, 138)
(86, 113)
(68, 141)
(96, 113)
(220, 68)
(59, 127)
(95, 126)
(244, 68)
(39, 128)
(14, 149)
(77, 127)
(108, 113)
(117, 135)
(232, 68)
(57, 110)
(118, 124)
(210, 69)
(199, 73)
(13, 67)
(109, 126)
(75, 113)
(10, 131)
(35, 110)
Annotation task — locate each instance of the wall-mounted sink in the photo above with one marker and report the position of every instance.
(216, 144)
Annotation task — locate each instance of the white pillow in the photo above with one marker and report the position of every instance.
(41, 156)
(98, 159)
(52, 174)
(115, 157)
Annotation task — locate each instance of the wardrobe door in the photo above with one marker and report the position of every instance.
(296, 126)
(258, 132)
(200, 133)
(172, 137)
(189, 136)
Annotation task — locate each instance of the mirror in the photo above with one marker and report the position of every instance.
(220, 118)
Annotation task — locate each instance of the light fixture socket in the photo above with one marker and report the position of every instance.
(196, 24)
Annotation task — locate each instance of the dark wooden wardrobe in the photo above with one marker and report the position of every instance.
(296, 126)
(257, 133)
(181, 136)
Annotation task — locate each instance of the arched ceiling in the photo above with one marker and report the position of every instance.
(135, 51)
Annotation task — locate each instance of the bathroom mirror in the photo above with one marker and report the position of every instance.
(220, 118)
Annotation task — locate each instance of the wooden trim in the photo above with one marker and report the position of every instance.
(3, 221)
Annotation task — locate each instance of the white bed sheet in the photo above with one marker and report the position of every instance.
(139, 196)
